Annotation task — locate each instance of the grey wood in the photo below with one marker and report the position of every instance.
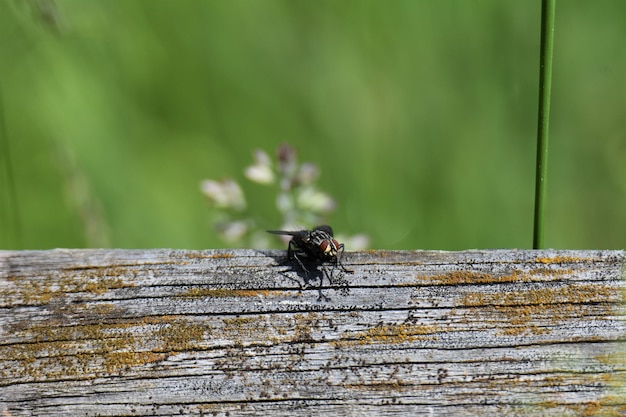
(244, 332)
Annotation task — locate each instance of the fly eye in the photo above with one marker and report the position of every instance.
(325, 246)
(335, 244)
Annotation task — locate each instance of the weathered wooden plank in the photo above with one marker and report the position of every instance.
(171, 332)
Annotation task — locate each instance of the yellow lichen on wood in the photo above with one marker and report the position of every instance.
(57, 350)
(560, 260)
(389, 334)
(41, 290)
(471, 277)
(180, 335)
(103, 285)
(573, 294)
(460, 277)
(204, 255)
(523, 309)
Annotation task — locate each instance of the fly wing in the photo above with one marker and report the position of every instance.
(284, 232)
(299, 238)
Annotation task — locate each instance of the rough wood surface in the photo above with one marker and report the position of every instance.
(172, 332)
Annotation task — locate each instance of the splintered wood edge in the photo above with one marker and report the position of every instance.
(507, 331)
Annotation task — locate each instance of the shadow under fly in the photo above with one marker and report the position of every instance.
(314, 250)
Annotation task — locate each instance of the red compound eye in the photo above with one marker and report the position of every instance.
(335, 244)
(325, 246)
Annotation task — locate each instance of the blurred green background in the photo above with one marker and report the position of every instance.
(420, 114)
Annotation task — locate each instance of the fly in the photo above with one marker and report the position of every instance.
(317, 244)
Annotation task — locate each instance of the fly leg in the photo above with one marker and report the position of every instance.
(338, 262)
(306, 271)
(292, 253)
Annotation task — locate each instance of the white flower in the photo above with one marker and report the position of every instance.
(233, 231)
(261, 172)
(308, 173)
(224, 194)
(316, 201)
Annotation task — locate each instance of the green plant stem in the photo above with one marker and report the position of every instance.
(545, 84)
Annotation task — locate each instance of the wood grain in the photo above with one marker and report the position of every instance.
(244, 332)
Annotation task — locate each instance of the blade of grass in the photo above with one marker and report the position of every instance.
(545, 84)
